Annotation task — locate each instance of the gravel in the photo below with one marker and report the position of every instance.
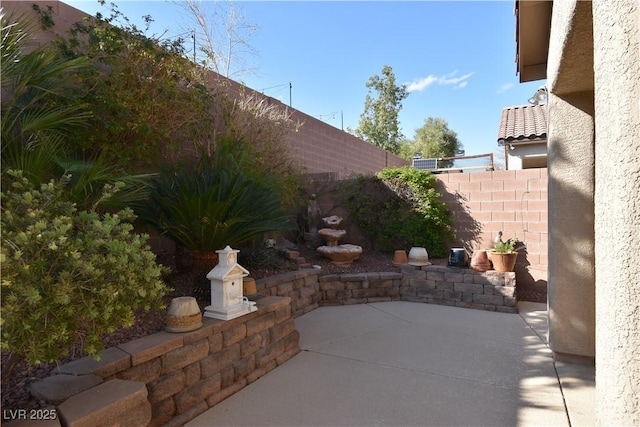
(15, 390)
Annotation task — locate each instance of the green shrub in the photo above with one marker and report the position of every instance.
(207, 208)
(399, 208)
(68, 277)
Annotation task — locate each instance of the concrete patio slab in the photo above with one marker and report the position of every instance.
(405, 364)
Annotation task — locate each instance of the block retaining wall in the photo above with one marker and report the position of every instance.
(466, 288)
(167, 379)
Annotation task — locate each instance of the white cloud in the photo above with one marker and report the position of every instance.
(422, 83)
(505, 87)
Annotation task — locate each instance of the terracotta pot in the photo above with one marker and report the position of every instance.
(480, 260)
(183, 315)
(503, 262)
(249, 287)
(399, 258)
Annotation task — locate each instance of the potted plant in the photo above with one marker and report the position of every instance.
(505, 253)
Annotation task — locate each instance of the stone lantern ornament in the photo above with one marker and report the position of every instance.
(227, 300)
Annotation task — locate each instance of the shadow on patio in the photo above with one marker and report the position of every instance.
(403, 363)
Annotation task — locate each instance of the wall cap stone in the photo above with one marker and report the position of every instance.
(58, 388)
(103, 404)
(151, 346)
(112, 360)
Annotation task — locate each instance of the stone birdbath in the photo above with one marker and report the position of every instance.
(343, 254)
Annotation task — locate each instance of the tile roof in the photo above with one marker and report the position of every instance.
(523, 122)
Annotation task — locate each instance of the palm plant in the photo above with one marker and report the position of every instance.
(213, 206)
(40, 110)
(36, 114)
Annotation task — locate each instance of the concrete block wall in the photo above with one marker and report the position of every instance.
(318, 146)
(511, 201)
(323, 148)
(167, 379)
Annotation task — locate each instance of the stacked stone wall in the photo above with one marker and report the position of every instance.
(361, 288)
(456, 287)
(167, 379)
(301, 286)
(466, 288)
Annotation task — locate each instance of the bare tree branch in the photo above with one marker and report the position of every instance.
(222, 34)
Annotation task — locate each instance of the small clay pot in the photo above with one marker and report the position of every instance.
(183, 315)
(480, 260)
(399, 258)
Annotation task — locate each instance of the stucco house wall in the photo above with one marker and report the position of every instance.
(527, 156)
(593, 76)
(616, 65)
(523, 135)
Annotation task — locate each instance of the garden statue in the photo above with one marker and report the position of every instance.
(314, 214)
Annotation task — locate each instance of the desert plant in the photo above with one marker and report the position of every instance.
(260, 128)
(38, 111)
(399, 208)
(212, 206)
(509, 246)
(148, 101)
(68, 276)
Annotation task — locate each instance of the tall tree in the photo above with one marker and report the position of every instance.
(379, 122)
(433, 139)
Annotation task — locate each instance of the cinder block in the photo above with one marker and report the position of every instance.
(145, 372)
(488, 299)
(490, 186)
(503, 195)
(234, 334)
(261, 323)
(214, 363)
(282, 330)
(162, 412)
(473, 288)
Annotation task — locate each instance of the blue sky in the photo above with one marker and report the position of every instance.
(457, 57)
